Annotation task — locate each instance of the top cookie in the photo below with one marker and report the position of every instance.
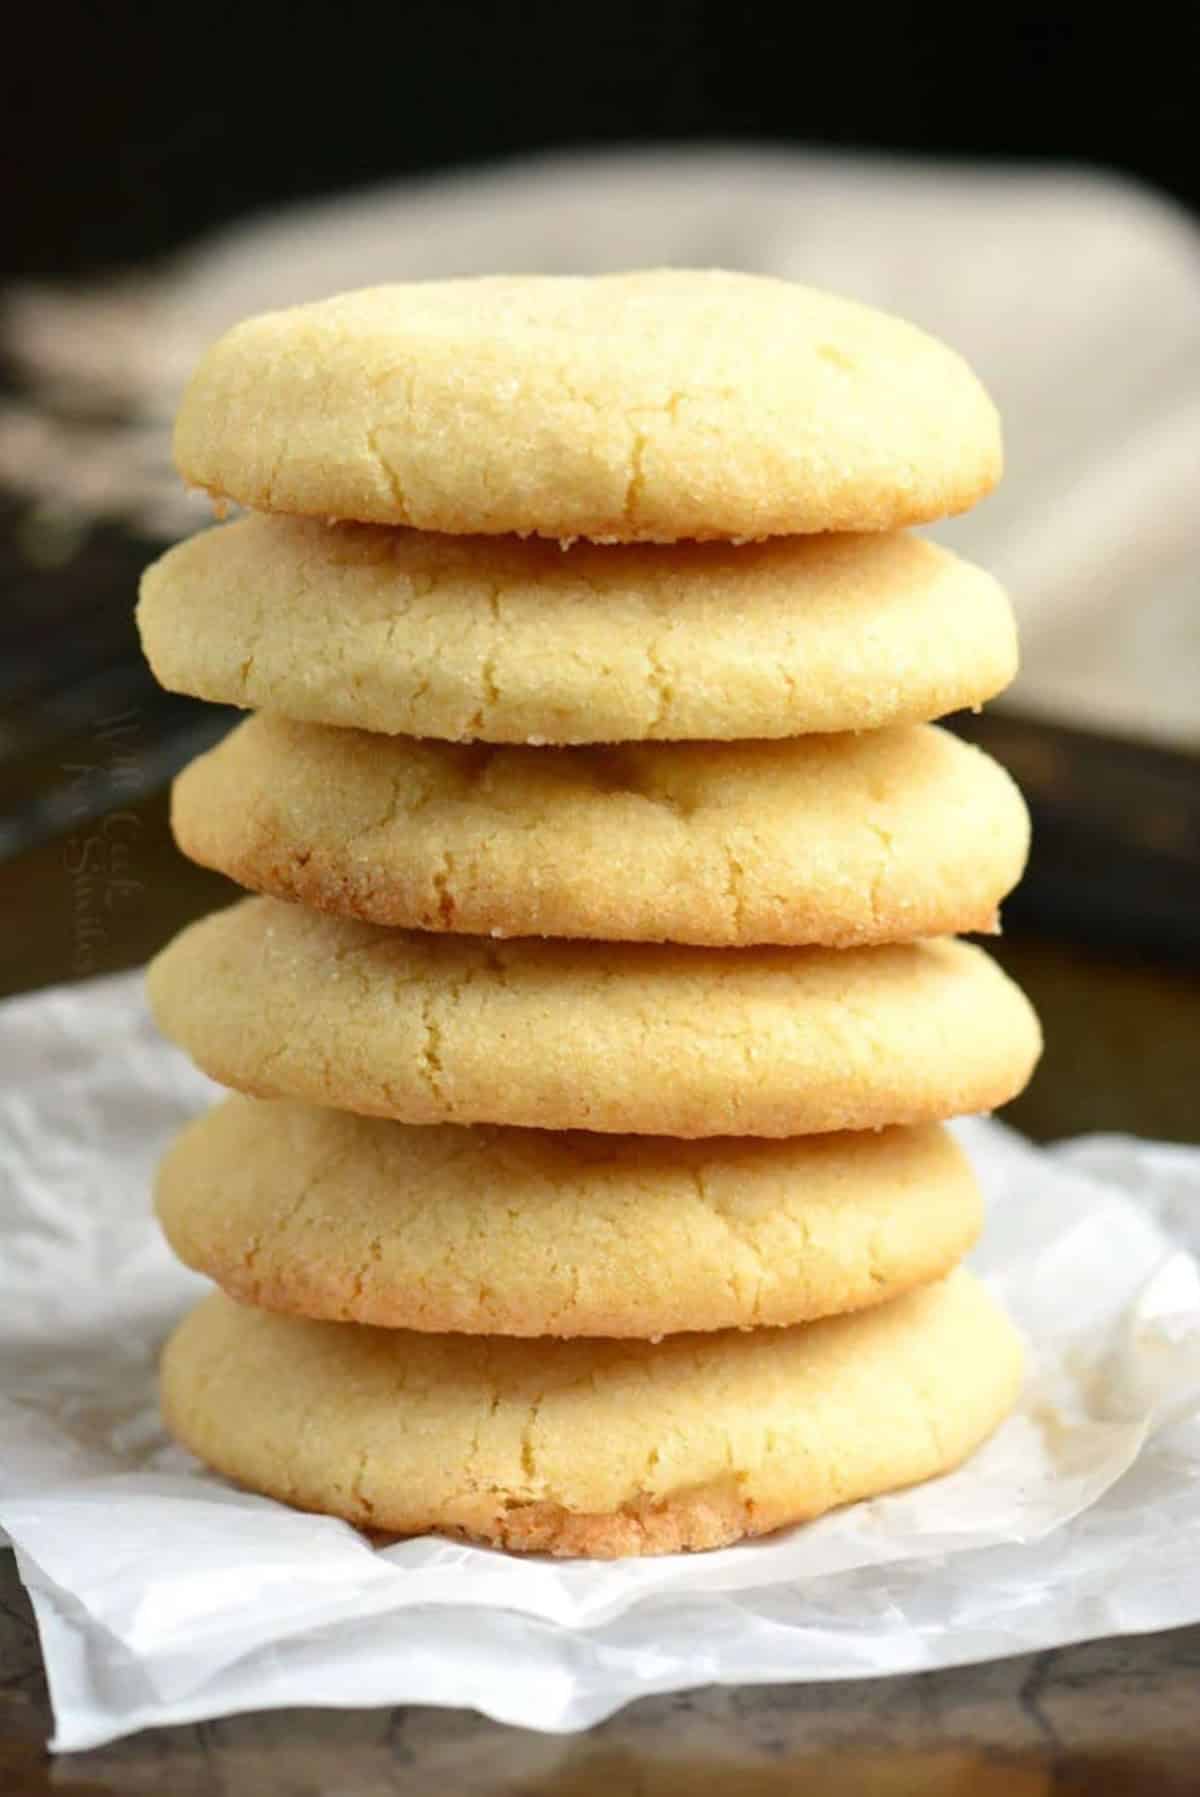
(643, 407)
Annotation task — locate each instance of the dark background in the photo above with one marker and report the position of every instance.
(129, 129)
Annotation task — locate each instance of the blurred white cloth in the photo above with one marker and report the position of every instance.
(1075, 295)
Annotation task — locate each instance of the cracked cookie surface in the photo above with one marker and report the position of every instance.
(279, 1001)
(668, 404)
(592, 1447)
(831, 840)
(499, 640)
(530, 1232)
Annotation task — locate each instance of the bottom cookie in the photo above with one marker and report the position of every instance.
(592, 1447)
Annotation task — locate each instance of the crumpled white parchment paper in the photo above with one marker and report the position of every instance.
(163, 1595)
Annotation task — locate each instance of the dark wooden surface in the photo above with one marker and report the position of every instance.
(1123, 1031)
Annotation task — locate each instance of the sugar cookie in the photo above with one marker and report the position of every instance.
(533, 1232)
(592, 1447)
(403, 632)
(629, 1037)
(836, 840)
(641, 407)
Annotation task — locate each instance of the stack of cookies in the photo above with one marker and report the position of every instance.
(586, 1190)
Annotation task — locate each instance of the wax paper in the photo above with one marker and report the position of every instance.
(164, 1595)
